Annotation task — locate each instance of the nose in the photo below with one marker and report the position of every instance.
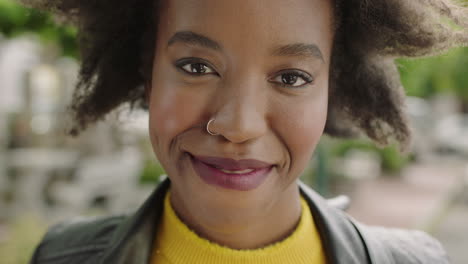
(241, 113)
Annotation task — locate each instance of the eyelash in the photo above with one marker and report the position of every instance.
(188, 61)
(298, 73)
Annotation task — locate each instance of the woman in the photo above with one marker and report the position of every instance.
(239, 93)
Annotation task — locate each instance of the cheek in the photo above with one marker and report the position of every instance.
(310, 128)
(171, 112)
(305, 123)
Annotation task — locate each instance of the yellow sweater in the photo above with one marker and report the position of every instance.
(177, 244)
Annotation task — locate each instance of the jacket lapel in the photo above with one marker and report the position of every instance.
(341, 241)
(133, 239)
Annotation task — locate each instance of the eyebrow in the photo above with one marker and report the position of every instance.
(299, 50)
(293, 50)
(192, 38)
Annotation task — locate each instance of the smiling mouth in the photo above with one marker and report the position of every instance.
(231, 165)
(240, 175)
(234, 172)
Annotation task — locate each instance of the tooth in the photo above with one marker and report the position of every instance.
(237, 172)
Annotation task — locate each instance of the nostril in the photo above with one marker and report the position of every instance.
(240, 118)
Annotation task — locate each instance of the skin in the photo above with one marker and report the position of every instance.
(256, 116)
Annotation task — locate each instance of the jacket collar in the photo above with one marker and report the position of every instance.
(341, 240)
(133, 238)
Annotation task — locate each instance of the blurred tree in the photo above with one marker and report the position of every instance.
(16, 19)
(446, 73)
(392, 160)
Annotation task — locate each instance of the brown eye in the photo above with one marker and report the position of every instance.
(197, 68)
(290, 79)
(294, 79)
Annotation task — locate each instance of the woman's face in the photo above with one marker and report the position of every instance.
(260, 68)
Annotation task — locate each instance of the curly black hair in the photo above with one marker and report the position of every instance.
(117, 39)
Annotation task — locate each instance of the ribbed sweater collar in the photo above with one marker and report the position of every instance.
(176, 243)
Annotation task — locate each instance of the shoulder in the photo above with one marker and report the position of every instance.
(403, 246)
(81, 240)
(349, 241)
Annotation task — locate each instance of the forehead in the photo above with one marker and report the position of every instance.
(242, 23)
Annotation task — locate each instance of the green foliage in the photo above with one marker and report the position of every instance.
(392, 160)
(151, 172)
(16, 19)
(330, 150)
(442, 74)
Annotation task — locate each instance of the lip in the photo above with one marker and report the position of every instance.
(230, 164)
(209, 170)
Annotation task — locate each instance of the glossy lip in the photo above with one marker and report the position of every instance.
(206, 169)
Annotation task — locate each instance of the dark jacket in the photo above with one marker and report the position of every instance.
(129, 239)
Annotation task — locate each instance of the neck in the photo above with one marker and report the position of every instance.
(245, 228)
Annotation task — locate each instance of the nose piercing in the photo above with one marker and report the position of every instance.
(208, 128)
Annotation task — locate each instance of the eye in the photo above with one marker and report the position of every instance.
(194, 67)
(198, 68)
(293, 79)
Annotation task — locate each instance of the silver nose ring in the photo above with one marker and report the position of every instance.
(208, 128)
